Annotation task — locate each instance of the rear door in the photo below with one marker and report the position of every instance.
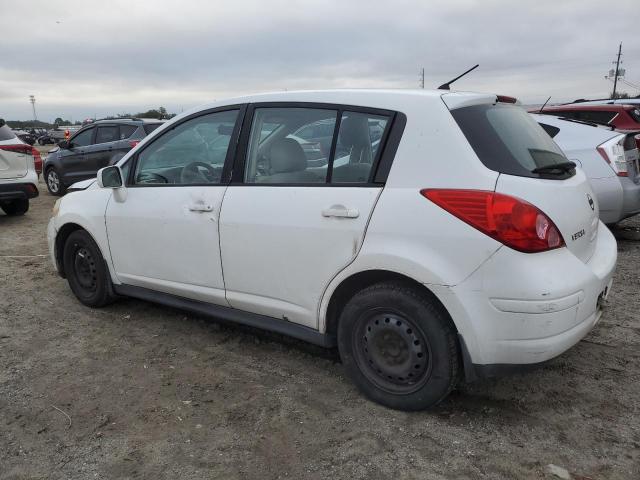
(508, 140)
(14, 155)
(288, 226)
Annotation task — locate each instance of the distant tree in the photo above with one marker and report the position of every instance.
(58, 121)
(620, 95)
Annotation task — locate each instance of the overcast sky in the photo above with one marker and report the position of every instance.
(98, 57)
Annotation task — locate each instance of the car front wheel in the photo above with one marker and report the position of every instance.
(398, 346)
(54, 184)
(15, 207)
(86, 270)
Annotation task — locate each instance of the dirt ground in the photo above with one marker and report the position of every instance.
(136, 390)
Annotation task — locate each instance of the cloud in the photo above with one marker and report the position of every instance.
(110, 57)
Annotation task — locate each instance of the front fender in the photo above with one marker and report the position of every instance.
(86, 209)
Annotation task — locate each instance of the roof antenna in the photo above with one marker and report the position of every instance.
(446, 86)
(544, 105)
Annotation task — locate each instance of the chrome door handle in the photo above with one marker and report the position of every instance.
(200, 207)
(341, 212)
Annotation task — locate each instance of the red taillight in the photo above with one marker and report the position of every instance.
(17, 148)
(133, 143)
(37, 160)
(510, 220)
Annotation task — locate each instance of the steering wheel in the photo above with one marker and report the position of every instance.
(191, 173)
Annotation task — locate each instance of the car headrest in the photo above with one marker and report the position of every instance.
(354, 131)
(287, 156)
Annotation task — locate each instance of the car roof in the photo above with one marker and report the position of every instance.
(125, 121)
(391, 99)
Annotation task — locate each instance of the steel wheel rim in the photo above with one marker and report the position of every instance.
(392, 351)
(84, 266)
(53, 181)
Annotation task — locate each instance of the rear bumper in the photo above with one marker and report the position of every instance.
(520, 309)
(630, 197)
(18, 191)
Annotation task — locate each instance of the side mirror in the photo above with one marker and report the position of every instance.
(110, 177)
(64, 145)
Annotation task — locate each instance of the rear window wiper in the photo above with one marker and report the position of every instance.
(562, 167)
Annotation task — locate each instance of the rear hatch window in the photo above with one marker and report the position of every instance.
(6, 133)
(508, 140)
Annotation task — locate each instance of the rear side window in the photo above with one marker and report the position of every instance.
(126, 131)
(150, 127)
(635, 114)
(6, 133)
(508, 140)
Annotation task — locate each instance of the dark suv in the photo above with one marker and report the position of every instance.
(97, 145)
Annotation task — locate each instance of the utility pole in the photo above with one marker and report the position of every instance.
(615, 80)
(32, 99)
(422, 78)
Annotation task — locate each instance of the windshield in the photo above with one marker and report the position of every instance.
(508, 140)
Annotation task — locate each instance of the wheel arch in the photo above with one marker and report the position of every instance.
(61, 238)
(363, 279)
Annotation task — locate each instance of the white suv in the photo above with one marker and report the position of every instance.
(461, 242)
(18, 177)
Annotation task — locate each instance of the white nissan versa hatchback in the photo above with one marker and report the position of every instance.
(458, 244)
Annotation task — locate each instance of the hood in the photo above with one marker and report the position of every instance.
(83, 185)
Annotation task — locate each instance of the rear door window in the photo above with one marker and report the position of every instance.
(508, 140)
(278, 155)
(107, 133)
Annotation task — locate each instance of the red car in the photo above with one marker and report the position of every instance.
(625, 118)
(621, 117)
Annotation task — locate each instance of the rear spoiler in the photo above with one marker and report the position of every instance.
(457, 100)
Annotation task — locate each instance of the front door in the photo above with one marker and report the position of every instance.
(292, 221)
(163, 233)
(75, 166)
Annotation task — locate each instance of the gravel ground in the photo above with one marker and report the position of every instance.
(135, 390)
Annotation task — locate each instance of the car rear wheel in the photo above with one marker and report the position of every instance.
(54, 184)
(86, 270)
(15, 207)
(398, 346)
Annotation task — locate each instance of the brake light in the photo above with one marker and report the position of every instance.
(37, 160)
(506, 99)
(133, 143)
(17, 148)
(509, 220)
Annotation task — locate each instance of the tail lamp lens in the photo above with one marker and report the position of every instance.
(512, 221)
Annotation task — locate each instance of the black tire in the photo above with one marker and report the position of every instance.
(86, 270)
(15, 207)
(54, 182)
(398, 346)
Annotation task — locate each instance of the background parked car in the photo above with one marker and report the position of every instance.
(18, 178)
(609, 158)
(26, 137)
(95, 146)
(624, 118)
